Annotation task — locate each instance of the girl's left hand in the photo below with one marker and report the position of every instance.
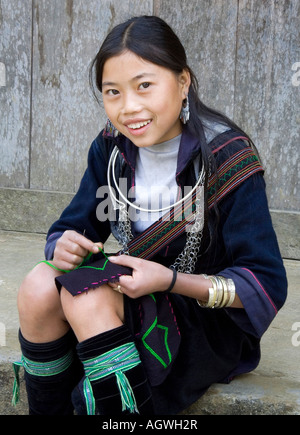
(147, 276)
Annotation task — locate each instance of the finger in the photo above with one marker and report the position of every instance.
(73, 258)
(63, 265)
(62, 255)
(82, 252)
(126, 260)
(83, 242)
(100, 247)
(126, 281)
(73, 248)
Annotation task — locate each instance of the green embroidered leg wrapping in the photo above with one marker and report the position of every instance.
(118, 361)
(43, 369)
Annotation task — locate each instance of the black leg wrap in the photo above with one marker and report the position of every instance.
(50, 394)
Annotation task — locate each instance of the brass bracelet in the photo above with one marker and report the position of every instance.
(212, 291)
(220, 291)
(221, 294)
(232, 292)
(211, 299)
(216, 291)
(225, 292)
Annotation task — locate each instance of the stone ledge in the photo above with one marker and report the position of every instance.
(250, 394)
(247, 395)
(33, 211)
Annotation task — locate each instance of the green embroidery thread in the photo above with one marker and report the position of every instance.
(80, 265)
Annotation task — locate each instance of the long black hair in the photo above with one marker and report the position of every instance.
(152, 39)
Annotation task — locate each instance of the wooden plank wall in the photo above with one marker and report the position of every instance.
(246, 56)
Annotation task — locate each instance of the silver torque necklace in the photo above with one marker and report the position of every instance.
(186, 260)
(118, 203)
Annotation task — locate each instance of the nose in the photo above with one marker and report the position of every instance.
(131, 104)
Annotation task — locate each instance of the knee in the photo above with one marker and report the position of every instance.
(102, 302)
(94, 312)
(38, 291)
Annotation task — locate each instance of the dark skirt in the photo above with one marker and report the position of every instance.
(211, 348)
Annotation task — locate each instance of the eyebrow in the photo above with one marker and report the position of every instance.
(138, 77)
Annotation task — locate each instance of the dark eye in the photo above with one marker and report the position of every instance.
(145, 85)
(112, 92)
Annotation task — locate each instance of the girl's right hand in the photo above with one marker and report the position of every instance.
(71, 249)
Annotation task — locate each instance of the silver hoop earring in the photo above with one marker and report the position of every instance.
(185, 111)
(110, 130)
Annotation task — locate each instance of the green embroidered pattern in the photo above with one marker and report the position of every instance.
(149, 348)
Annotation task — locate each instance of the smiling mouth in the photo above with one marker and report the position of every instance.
(138, 125)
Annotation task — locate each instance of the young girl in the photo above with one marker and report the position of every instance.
(199, 277)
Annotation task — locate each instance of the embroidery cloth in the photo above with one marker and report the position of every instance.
(91, 276)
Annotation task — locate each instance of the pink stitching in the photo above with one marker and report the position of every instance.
(175, 320)
(270, 300)
(228, 142)
(98, 283)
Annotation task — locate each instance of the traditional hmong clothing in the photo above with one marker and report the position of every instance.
(183, 347)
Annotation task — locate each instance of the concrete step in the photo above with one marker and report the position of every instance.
(272, 389)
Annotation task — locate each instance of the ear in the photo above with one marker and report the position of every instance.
(185, 82)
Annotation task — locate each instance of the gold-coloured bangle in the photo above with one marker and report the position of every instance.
(212, 298)
(212, 292)
(220, 291)
(232, 292)
(207, 304)
(214, 284)
(221, 294)
(225, 292)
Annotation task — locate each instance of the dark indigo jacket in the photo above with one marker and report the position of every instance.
(243, 247)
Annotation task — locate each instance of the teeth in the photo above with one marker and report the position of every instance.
(139, 125)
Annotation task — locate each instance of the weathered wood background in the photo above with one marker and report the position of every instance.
(245, 53)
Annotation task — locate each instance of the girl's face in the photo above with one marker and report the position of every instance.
(143, 100)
